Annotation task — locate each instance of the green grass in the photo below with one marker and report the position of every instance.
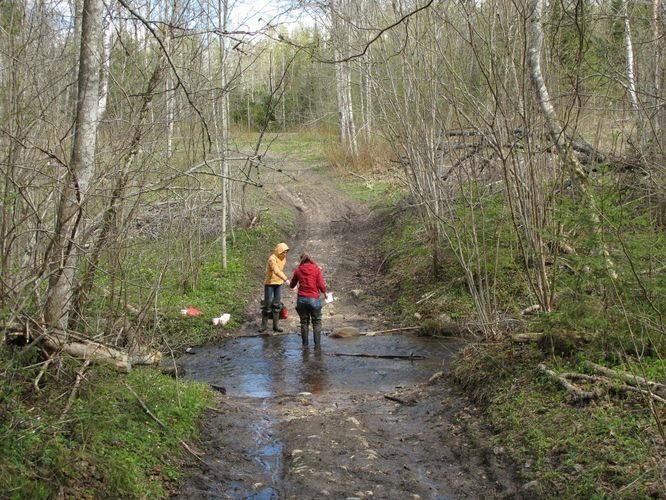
(306, 146)
(380, 194)
(158, 276)
(603, 449)
(106, 446)
(608, 448)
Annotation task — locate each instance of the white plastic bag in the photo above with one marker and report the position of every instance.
(222, 320)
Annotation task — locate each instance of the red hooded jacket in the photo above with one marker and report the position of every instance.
(309, 279)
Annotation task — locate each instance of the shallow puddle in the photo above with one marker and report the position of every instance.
(269, 366)
(272, 366)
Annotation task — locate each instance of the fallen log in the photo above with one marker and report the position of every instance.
(90, 350)
(526, 337)
(382, 356)
(530, 310)
(577, 393)
(80, 346)
(612, 386)
(142, 357)
(630, 378)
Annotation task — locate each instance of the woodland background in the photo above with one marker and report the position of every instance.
(525, 139)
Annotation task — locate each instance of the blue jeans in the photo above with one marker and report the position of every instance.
(309, 309)
(272, 298)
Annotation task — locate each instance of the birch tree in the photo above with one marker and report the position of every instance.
(338, 11)
(64, 253)
(557, 135)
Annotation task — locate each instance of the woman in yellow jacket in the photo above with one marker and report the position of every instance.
(275, 278)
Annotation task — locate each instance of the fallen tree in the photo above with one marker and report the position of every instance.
(608, 385)
(55, 341)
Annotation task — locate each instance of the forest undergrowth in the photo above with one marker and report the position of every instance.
(91, 437)
(86, 437)
(607, 439)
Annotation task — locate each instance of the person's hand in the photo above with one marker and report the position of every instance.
(286, 282)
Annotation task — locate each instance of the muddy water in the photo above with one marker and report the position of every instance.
(265, 369)
(262, 367)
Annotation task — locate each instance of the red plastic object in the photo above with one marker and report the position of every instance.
(284, 313)
(191, 311)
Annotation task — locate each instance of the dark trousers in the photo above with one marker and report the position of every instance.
(309, 311)
(272, 298)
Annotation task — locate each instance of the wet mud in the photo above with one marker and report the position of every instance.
(357, 418)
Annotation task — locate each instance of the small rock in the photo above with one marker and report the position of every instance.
(173, 371)
(345, 332)
(356, 293)
(417, 315)
(435, 377)
(531, 486)
(219, 388)
(444, 318)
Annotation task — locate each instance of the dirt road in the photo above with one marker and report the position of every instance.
(304, 424)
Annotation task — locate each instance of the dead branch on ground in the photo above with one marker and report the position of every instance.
(629, 378)
(194, 453)
(75, 389)
(382, 356)
(609, 385)
(578, 394)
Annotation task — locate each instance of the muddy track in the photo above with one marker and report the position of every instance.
(306, 437)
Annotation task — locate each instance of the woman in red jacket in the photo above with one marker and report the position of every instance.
(310, 282)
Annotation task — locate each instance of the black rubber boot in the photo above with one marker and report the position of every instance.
(316, 330)
(316, 327)
(304, 334)
(276, 320)
(264, 321)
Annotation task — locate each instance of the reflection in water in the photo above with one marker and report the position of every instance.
(269, 366)
(313, 372)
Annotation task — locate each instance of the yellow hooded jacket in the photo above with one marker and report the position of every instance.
(275, 266)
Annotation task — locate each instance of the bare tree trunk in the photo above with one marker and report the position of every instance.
(223, 17)
(368, 98)
(170, 99)
(64, 252)
(343, 73)
(555, 130)
(77, 10)
(631, 71)
(108, 218)
(106, 61)
(659, 113)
